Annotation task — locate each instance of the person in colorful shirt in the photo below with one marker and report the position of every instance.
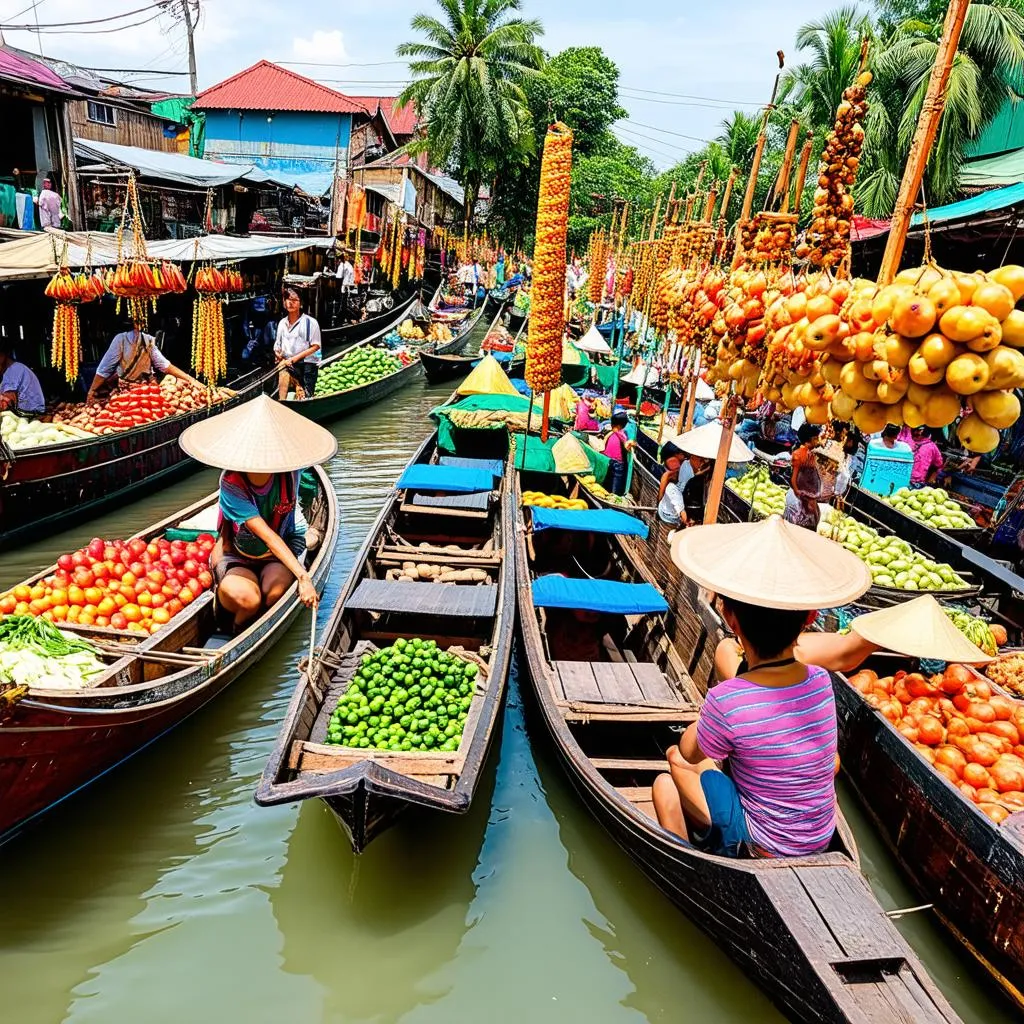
(262, 538)
(132, 355)
(775, 724)
(928, 459)
(616, 445)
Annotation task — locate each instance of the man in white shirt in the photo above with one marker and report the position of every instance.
(297, 348)
(346, 277)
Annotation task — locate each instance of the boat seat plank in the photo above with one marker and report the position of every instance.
(617, 683)
(795, 906)
(578, 681)
(424, 599)
(635, 794)
(630, 764)
(854, 918)
(474, 501)
(653, 684)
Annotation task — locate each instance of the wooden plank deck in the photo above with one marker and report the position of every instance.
(626, 683)
(424, 599)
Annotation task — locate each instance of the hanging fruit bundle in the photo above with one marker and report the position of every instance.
(209, 351)
(768, 238)
(66, 348)
(547, 312)
(827, 242)
(928, 349)
(599, 251)
(211, 280)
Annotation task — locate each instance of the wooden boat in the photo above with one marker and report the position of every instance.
(807, 929)
(448, 365)
(968, 868)
(323, 408)
(85, 477)
(368, 789)
(338, 339)
(55, 742)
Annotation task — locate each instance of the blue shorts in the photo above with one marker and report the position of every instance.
(728, 831)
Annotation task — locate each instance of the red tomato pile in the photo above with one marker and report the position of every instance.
(141, 403)
(969, 734)
(131, 585)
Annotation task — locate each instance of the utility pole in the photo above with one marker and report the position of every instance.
(190, 27)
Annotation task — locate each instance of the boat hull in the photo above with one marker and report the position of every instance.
(87, 477)
(52, 746)
(969, 869)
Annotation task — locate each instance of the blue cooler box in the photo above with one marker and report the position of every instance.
(886, 470)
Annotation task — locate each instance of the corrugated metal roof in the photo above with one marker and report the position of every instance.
(401, 120)
(24, 69)
(267, 86)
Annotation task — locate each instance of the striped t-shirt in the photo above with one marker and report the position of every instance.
(781, 746)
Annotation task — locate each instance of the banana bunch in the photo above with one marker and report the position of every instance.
(976, 630)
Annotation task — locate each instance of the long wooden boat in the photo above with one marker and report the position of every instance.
(368, 789)
(339, 339)
(441, 366)
(323, 408)
(807, 929)
(85, 477)
(968, 868)
(55, 742)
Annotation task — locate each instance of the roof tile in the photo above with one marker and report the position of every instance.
(401, 120)
(267, 86)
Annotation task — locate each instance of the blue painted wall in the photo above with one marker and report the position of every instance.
(290, 143)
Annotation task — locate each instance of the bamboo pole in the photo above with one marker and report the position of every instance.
(691, 404)
(801, 176)
(924, 138)
(782, 182)
(728, 421)
(622, 226)
(755, 168)
(544, 423)
(733, 175)
(671, 200)
(654, 219)
(709, 206)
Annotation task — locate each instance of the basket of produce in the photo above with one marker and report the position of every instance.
(20, 433)
(1007, 672)
(933, 507)
(898, 571)
(409, 696)
(357, 368)
(36, 654)
(760, 493)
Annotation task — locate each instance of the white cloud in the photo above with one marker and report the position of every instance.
(320, 46)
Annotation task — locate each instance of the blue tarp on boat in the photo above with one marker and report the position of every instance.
(597, 596)
(452, 479)
(605, 520)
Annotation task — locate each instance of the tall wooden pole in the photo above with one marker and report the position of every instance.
(782, 184)
(654, 220)
(748, 198)
(728, 421)
(924, 137)
(801, 176)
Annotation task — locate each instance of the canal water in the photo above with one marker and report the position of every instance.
(163, 894)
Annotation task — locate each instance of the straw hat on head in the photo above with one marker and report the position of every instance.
(772, 564)
(705, 441)
(921, 629)
(259, 436)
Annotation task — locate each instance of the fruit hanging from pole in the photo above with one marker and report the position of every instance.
(547, 312)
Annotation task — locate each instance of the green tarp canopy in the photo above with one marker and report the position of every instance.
(606, 375)
(993, 171)
(515, 404)
(539, 458)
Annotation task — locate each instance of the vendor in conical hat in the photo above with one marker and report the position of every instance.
(775, 720)
(262, 447)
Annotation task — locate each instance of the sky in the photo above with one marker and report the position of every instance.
(684, 66)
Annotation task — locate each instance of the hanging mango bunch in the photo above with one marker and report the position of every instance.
(599, 251)
(70, 290)
(547, 311)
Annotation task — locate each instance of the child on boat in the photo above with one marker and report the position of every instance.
(774, 721)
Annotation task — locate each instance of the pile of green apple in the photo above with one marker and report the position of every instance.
(758, 489)
(892, 561)
(932, 506)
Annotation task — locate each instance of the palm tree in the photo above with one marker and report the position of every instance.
(468, 74)
(738, 138)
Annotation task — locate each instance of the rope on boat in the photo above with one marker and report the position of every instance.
(895, 915)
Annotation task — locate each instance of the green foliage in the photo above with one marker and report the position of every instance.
(469, 70)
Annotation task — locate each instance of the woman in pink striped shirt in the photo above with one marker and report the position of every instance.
(775, 724)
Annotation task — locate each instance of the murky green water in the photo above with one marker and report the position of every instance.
(163, 894)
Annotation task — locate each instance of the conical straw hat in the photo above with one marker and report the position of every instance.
(593, 341)
(259, 436)
(705, 441)
(919, 628)
(772, 564)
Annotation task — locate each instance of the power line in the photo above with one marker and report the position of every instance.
(665, 131)
(677, 103)
(329, 64)
(152, 72)
(686, 96)
(71, 24)
(662, 142)
(660, 153)
(83, 31)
